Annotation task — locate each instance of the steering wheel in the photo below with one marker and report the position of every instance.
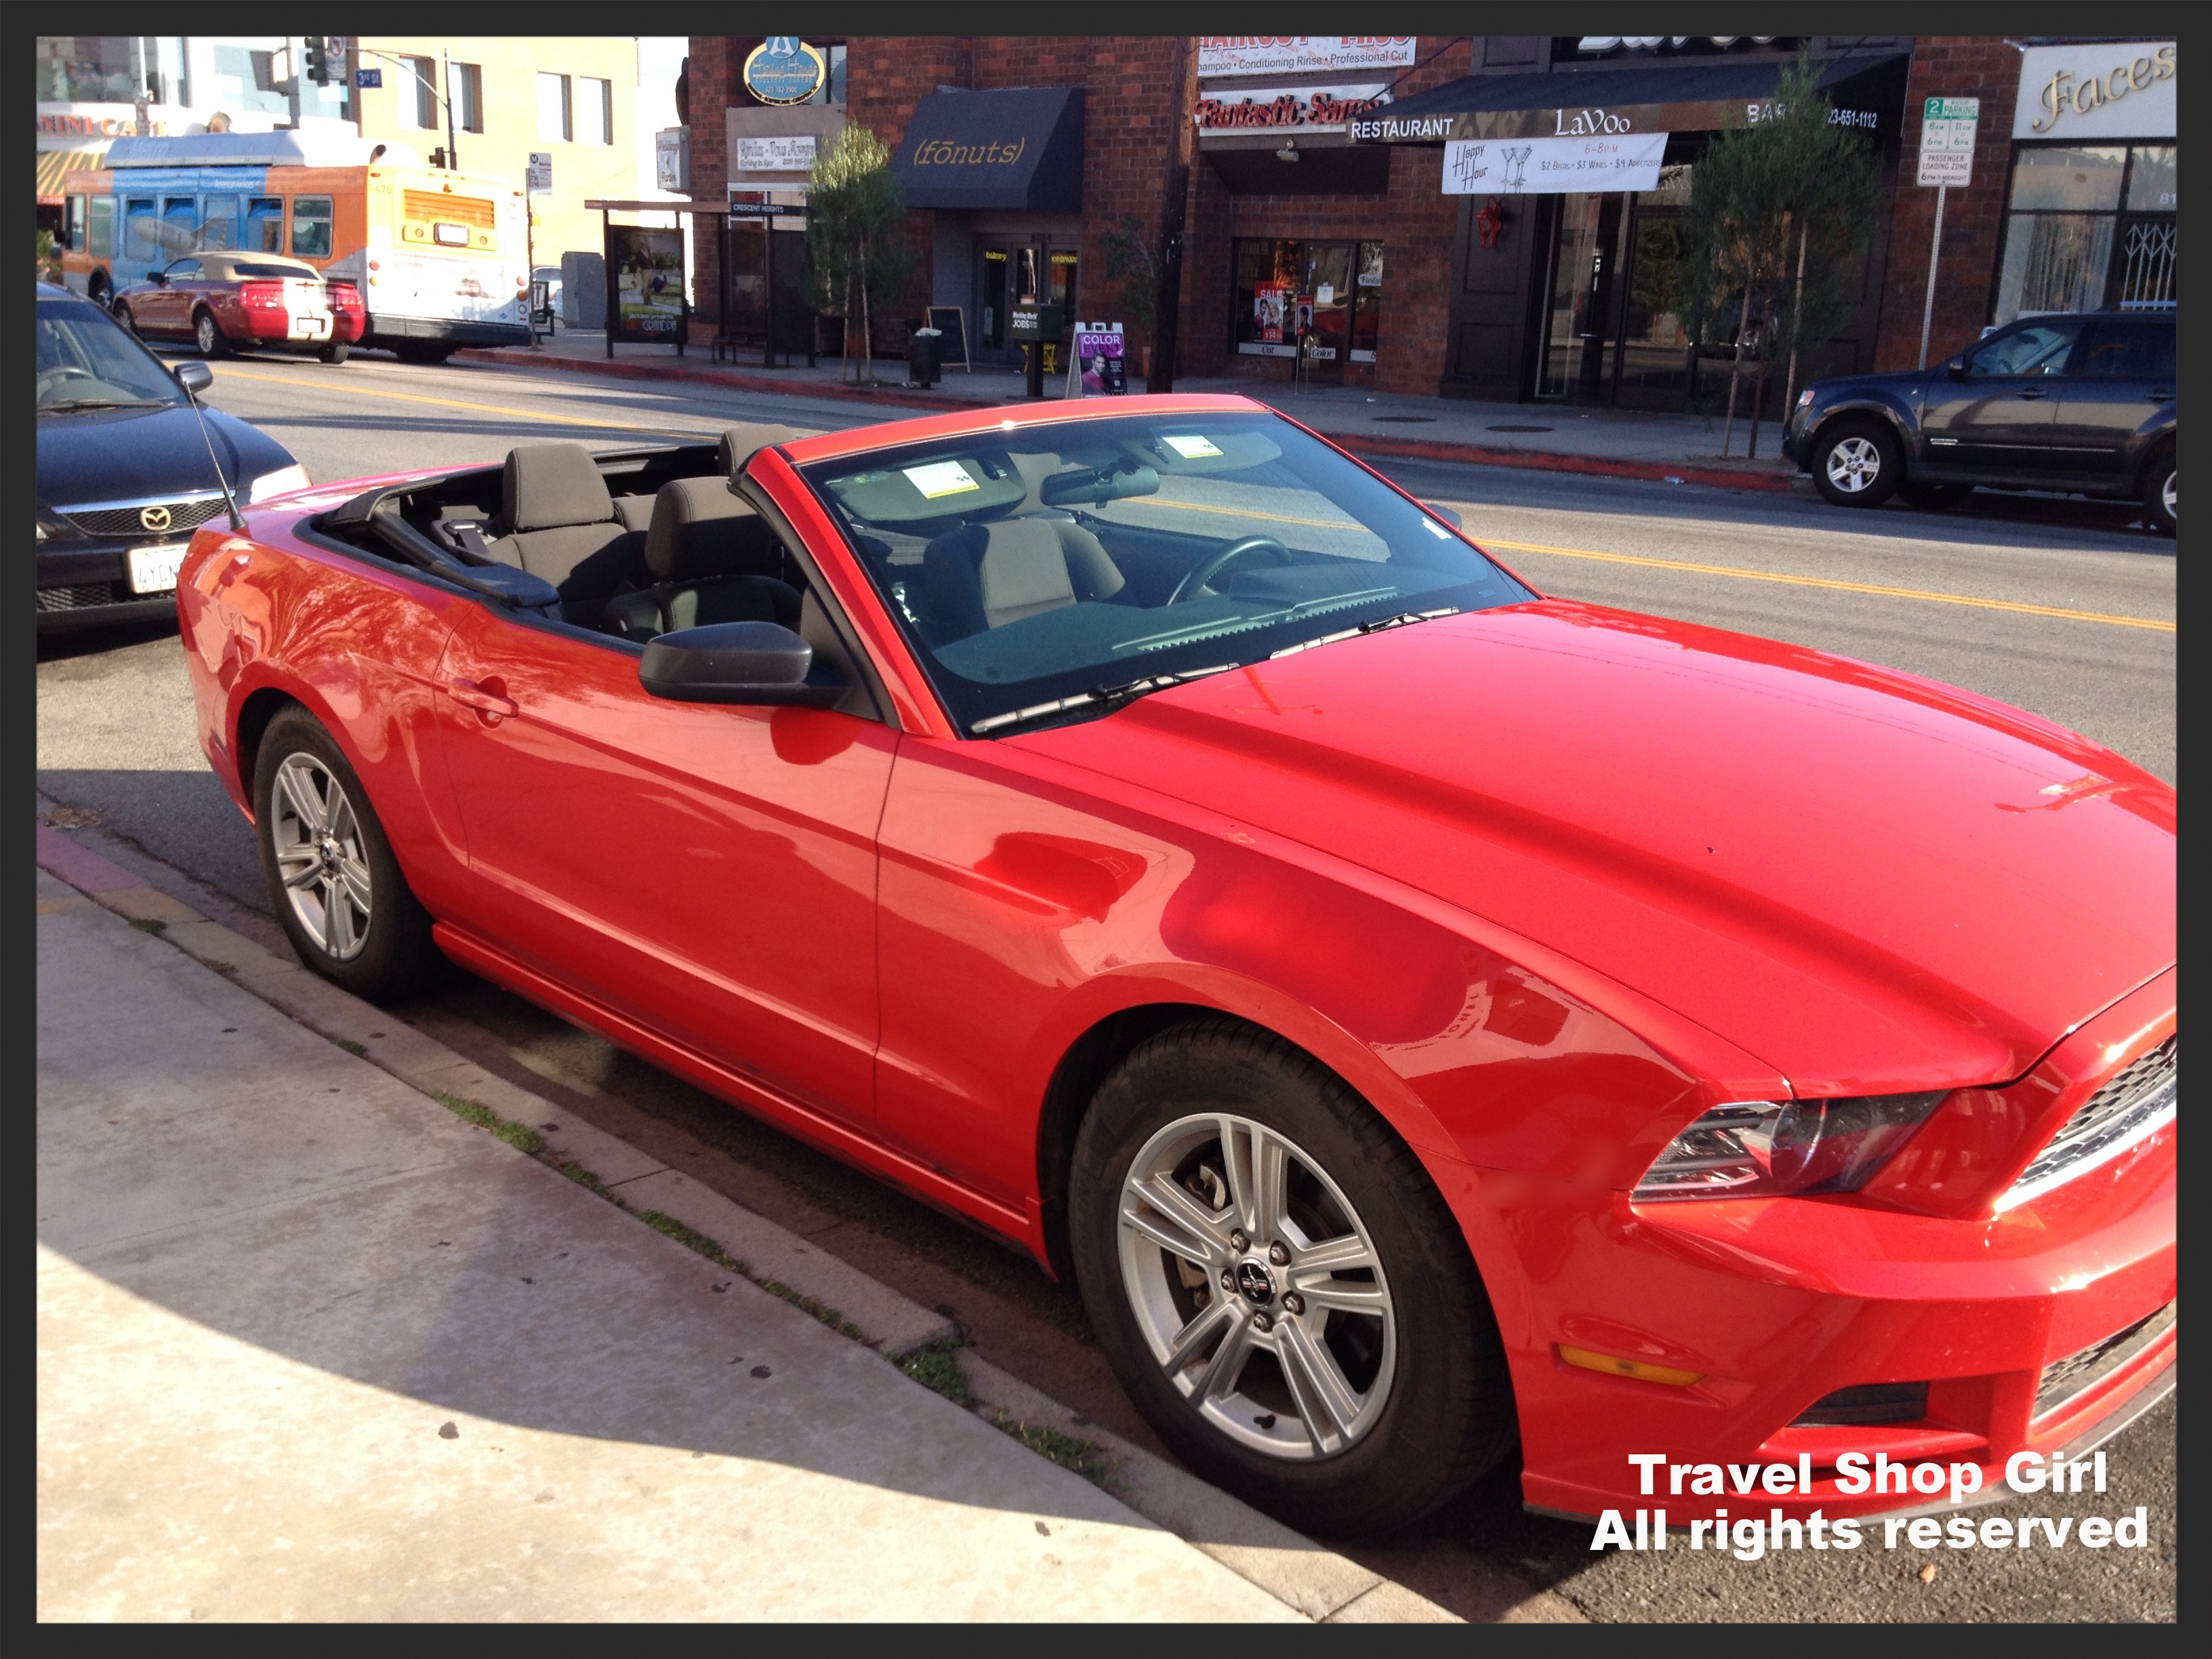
(1194, 584)
(53, 377)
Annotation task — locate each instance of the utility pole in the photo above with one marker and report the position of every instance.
(453, 155)
(1167, 296)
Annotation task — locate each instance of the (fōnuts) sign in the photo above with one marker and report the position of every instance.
(944, 152)
(2123, 90)
(1302, 109)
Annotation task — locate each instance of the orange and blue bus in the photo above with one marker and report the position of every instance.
(437, 257)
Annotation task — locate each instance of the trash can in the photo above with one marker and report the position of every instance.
(922, 349)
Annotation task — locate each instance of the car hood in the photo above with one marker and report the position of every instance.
(1899, 383)
(1872, 882)
(130, 454)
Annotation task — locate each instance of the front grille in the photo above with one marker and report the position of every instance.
(2065, 1378)
(84, 595)
(2136, 1100)
(1869, 1402)
(185, 516)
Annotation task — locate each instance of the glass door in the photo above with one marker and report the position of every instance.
(1328, 289)
(1578, 324)
(991, 264)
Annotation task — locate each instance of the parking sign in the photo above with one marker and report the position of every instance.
(1947, 140)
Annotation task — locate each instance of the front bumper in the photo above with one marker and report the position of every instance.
(87, 584)
(1775, 1304)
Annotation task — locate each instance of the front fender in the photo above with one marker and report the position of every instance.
(1888, 409)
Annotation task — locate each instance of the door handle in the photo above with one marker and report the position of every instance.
(486, 702)
(2031, 392)
(2161, 394)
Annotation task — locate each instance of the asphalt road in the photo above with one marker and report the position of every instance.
(2056, 606)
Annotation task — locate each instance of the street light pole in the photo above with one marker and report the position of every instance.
(453, 155)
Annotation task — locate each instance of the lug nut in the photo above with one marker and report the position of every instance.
(1294, 1304)
(1279, 1253)
(1261, 1322)
(1239, 1238)
(1228, 1281)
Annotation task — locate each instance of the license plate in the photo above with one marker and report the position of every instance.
(154, 569)
(310, 328)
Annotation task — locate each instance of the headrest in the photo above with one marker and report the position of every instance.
(738, 444)
(699, 529)
(1022, 572)
(547, 486)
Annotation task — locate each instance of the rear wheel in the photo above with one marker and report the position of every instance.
(336, 352)
(1858, 464)
(2162, 494)
(208, 336)
(333, 882)
(1279, 1287)
(429, 353)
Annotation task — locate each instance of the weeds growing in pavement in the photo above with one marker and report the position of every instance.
(1077, 1457)
(519, 1136)
(937, 1367)
(351, 1047)
(582, 1176)
(153, 925)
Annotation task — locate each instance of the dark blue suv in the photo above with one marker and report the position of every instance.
(2081, 403)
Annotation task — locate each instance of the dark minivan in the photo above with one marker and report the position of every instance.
(124, 476)
(2081, 403)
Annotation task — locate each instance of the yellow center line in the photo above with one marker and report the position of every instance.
(1829, 582)
(456, 403)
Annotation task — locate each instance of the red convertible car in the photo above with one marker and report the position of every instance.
(1426, 1017)
(224, 302)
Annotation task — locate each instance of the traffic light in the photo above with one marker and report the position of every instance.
(318, 60)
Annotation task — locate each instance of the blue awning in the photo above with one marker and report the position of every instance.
(1021, 149)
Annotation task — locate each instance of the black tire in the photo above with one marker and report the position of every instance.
(208, 336)
(100, 293)
(426, 353)
(394, 954)
(1858, 464)
(1934, 497)
(2161, 495)
(336, 352)
(121, 313)
(1445, 1415)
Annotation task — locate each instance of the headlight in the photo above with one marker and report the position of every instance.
(282, 482)
(1772, 1148)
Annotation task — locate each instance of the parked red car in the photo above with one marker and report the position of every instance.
(222, 302)
(1420, 1014)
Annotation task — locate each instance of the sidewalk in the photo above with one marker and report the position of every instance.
(312, 1344)
(1620, 443)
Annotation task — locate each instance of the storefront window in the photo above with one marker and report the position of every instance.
(2070, 245)
(1329, 294)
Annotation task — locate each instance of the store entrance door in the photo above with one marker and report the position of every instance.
(1580, 322)
(1013, 270)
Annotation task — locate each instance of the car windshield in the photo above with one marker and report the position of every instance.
(85, 360)
(1049, 573)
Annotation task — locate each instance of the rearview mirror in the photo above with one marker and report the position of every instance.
(1100, 486)
(741, 662)
(1957, 367)
(193, 375)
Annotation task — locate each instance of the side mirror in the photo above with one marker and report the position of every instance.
(743, 662)
(1957, 367)
(193, 375)
(1446, 513)
(159, 278)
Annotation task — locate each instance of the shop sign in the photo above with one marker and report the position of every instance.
(784, 70)
(1554, 166)
(2115, 90)
(1381, 127)
(1946, 141)
(782, 153)
(1097, 365)
(1271, 109)
(96, 121)
(1300, 54)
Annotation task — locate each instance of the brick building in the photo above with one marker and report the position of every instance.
(1318, 196)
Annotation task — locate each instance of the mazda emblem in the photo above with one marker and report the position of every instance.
(155, 519)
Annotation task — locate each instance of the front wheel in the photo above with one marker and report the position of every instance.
(2162, 494)
(1857, 464)
(1278, 1285)
(333, 882)
(208, 336)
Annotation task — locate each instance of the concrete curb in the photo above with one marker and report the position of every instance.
(1315, 1581)
(1720, 477)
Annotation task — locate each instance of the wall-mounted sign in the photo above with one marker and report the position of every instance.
(784, 70)
(671, 159)
(784, 153)
(1304, 109)
(2123, 90)
(1946, 141)
(539, 175)
(1300, 54)
(1554, 166)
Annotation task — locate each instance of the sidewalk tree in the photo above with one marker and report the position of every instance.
(856, 233)
(1777, 224)
(1128, 258)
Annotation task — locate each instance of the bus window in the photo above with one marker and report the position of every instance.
(311, 226)
(99, 227)
(219, 221)
(265, 224)
(183, 212)
(138, 242)
(73, 225)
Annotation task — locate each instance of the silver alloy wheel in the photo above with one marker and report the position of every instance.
(1258, 1289)
(207, 335)
(2171, 493)
(1854, 463)
(320, 856)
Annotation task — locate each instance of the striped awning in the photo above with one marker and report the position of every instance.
(53, 163)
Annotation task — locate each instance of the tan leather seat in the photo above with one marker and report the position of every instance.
(983, 577)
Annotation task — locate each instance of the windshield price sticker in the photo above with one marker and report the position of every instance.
(940, 478)
(1191, 448)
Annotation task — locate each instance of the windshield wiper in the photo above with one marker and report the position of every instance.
(1103, 699)
(105, 403)
(1402, 619)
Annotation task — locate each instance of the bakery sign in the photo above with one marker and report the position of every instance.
(1296, 109)
(1300, 54)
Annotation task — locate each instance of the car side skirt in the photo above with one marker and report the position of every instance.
(1023, 1226)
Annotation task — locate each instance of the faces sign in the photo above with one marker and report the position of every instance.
(784, 70)
(2125, 89)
